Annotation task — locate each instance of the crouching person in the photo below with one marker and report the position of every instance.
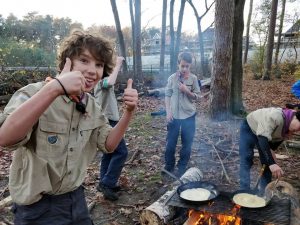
(55, 128)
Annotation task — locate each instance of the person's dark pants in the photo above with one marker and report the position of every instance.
(248, 140)
(186, 128)
(113, 163)
(65, 209)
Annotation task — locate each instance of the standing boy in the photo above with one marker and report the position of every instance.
(55, 134)
(112, 163)
(182, 91)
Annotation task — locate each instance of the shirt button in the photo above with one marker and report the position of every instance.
(71, 149)
(73, 128)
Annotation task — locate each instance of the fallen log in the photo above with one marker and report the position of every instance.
(159, 212)
(156, 92)
(293, 144)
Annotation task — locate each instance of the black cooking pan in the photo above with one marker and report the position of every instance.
(194, 184)
(267, 198)
(198, 184)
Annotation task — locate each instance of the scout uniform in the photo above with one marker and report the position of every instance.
(183, 110)
(52, 159)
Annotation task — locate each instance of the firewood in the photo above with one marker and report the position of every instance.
(283, 190)
(159, 212)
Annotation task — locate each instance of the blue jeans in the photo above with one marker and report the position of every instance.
(248, 140)
(186, 128)
(113, 163)
(64, 209)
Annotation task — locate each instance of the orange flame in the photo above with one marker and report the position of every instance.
(206, 218)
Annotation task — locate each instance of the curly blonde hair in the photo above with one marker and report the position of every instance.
(75, 44)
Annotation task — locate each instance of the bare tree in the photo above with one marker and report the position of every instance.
(163, 37)
(137, 33)
(172, 37)
(237, 52)
(247, 32)
(200, 37)
(133, 37)
(119, 32)
(178, 31)
(279, 32)
(270, 43)
(221, 74)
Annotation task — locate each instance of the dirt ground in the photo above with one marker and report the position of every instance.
(141, 179)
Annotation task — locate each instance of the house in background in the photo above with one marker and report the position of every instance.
(292, 36)
(290, 44)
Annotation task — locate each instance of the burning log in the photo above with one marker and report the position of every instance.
(285, 190)
(159, 212)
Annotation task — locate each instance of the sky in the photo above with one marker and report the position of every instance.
(98, 12)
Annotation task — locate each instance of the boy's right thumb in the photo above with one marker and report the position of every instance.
(67, 66)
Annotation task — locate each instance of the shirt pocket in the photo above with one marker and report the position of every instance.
(52, 138)
(86, 130)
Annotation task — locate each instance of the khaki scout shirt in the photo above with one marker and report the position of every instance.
(107, 99)
(267, 122)
(181, 105)
(53, 157)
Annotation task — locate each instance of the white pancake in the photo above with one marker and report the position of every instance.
(249, 200)
(195, 194)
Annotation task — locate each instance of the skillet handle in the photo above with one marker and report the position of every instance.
(171, 175)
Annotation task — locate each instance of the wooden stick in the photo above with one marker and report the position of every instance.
(137, 151)
(223, 167)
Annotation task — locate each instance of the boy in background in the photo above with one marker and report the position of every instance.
(181, 92)
(112, 163)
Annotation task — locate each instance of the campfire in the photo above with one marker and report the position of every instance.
(206, 218)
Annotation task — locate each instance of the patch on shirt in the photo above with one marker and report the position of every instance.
(52, 139)
(23, 97)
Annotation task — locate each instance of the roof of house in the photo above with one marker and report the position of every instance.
(293, 30)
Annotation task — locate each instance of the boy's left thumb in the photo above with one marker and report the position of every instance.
(129, 83)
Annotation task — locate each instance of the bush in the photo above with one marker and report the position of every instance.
(257, 63)
(288, 68)
(297, 72)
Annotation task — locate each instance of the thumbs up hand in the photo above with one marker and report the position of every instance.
(73, 81)
(130, 97)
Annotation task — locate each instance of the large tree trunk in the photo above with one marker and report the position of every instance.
(160, 212)
(222, 59)
(163, 37)
(178, 32)
(270, 44)
(279, 32)
(247, 32)
(173, 59)
(119, 32)
(137, 31)
(237, 52)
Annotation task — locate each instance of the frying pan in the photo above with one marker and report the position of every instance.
(198, 184)
(267, 197)
(194, 184)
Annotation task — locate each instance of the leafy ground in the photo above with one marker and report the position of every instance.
(141, 180)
